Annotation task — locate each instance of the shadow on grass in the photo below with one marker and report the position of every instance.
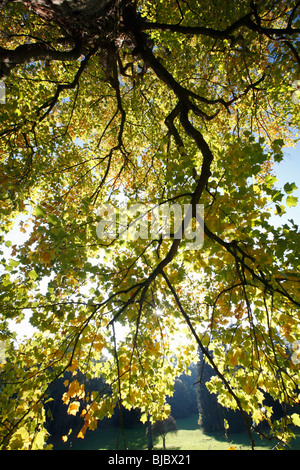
(189, 437)
(242, 441)
(108, 438)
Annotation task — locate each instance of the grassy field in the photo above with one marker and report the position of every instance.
(189, 437)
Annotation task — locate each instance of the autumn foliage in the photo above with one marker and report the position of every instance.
(153, 102)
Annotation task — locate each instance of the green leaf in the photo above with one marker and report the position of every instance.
(39, 211)
(59, 233)
(270, 180)
(13, 263)
(32, 274)
(181, 150)
(291, 201)
(53, 219)
(290, 187)
(295, 419)
(278, 157)
(277, 196)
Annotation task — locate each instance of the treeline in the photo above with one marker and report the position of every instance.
(59, 422)
(183, 403)
(212, 414)
(190, 397)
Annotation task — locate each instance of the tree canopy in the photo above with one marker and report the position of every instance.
(118, 108)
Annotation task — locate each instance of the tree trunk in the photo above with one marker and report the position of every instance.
(66, 11)
(149, 434)
(98, 25)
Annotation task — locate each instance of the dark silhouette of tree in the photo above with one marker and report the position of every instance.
(163, 427)
(149, 434)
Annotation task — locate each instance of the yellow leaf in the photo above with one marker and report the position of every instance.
(65, 398)
(48, 447)
(64, 438)
(92, 424)
(74, 366)
(82, 432)
(233, 360)
(20, 440)
(74, 388)
(98, 346)
(249, 388)
(231, 448)
(234, 357)
(73, 408)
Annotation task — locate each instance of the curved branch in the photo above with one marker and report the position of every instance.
(294, 51)
(240, 255)
(198, 30)
(222, 34)
(31, 52)
(66, 86)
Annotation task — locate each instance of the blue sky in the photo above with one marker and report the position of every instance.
(288, 171)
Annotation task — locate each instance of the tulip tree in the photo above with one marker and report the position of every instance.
(118, 108)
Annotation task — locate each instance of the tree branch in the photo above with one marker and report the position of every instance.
(240, 255)
(197, 30)
(66, 86)
(222, 34)
(32, 52)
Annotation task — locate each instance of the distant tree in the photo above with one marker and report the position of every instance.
(149, 434)
(163, 427)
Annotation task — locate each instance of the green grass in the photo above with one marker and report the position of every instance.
(188, 437)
